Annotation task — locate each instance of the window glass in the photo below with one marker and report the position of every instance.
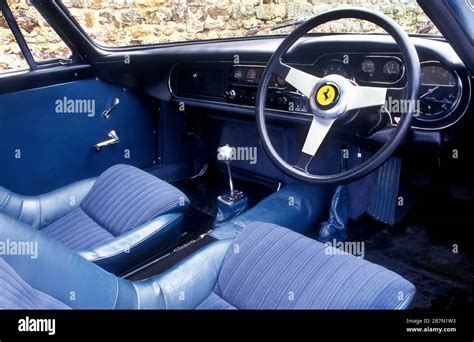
(43, 41)
(11, 57)
(139, 22)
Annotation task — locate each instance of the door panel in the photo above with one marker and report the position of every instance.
(45, 145)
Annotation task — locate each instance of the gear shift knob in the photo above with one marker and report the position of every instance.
(224, 153)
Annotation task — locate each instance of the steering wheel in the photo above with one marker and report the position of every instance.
(332, 97)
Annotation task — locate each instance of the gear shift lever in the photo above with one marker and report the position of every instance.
(224, 153)
(234, 203)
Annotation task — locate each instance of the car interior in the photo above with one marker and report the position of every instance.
(305, 170)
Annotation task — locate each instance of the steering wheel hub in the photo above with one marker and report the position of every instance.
(329, 97)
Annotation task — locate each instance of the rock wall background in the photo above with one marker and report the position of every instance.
(136, 22)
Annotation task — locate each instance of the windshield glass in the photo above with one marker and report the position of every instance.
(139, 22)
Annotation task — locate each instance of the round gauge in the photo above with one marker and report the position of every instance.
(439, 92)
(280, 81)
(337, 67)
(238, 74)
(436, 74)
(368, 66)
(392, 70)
(251, 76)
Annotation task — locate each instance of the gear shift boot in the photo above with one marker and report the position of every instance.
(230, 206)
(231, 199)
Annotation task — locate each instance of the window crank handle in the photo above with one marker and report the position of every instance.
(106, 113)
(114, 139)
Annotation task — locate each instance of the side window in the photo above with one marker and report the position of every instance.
(11, 57)
(43, 42)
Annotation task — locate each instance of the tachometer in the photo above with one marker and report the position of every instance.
(337, 67)
(439, 92)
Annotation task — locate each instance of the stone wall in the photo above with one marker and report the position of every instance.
(136, 22)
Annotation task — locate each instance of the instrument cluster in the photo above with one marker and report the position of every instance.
(442, 100)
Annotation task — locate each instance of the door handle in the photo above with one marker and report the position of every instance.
(114, 139)
(106, 113)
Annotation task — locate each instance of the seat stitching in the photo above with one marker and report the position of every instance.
(245, 257)
(341, 284)
(272, 263)
(6, 199)
(321, 285)
(240, 240)
(292, 274)
(366, 280)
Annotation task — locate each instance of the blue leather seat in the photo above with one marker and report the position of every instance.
(117, 220)
(264, 267)
(296, 206)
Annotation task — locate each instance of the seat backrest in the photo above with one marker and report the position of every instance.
(42, 210)
(270, 267)
(124, 197)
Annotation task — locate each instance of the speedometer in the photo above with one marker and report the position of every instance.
(439, 92)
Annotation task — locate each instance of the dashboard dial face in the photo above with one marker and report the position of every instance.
(439, 92)
(251, 76)
(368, 66)
(280, 81)
(238, 74)
(337, 67)
(392, 70)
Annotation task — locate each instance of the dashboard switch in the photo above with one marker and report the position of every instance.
(231, 94)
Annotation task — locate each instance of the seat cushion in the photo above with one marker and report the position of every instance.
(121, 199)
(270, 267)
(124, 197)
(78, 231)
(127, 217)
(214, 302)
(17, 294)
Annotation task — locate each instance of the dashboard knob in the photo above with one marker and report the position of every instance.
(231, 94)
(282, 100)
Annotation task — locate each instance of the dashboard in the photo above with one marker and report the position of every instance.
(445, 91)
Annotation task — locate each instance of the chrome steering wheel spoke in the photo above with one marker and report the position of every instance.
(365, 97)
(302, 81)
(317, 132)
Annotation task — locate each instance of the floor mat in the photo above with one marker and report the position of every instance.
(443, 279)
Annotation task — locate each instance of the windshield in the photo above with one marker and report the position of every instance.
(125, 23)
